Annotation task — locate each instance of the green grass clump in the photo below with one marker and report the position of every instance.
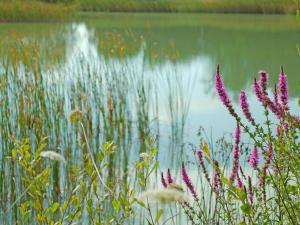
(34, 11)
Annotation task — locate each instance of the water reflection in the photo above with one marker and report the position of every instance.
(173, 97)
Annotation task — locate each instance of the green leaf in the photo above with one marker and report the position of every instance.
(54, 207)
(225, 181)
(140, 202)
(116, 205)
(39, 150)
(242, 195)
(158, 215)
(153, 151)
(246, 208)
(14, 153)
(154, 167)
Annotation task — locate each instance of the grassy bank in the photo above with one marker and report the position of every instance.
(58, 10)
(212, 6)
(34, 11)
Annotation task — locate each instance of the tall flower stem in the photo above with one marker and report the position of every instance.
(93, 160)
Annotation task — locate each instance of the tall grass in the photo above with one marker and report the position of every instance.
(113, 99)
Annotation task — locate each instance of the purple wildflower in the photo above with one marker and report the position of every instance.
(283, 90)
(272, 106)
(222, 92)
(216, 181)
(257, 91)
(216, 177)
(202, 165)
(276, 103)
(269, 155)
(263, 81)
(186, 179)
(253, 160)
(260, 90)
(239, 182)
(261, 180)
(169, 177)
(245, 107)
(163, 181)
(236, 154)
(286, 127)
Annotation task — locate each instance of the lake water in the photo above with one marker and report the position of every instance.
(166, 65)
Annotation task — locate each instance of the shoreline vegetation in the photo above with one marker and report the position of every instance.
(63, 10)
(35, 11)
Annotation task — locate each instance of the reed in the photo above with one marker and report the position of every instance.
(113, 101)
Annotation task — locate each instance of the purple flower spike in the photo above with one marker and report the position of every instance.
(186, 179)
(257, 91)
(253, 160)
(261, 180)
(276, 103)
(163, 181)
(216, 182)
(237, 134)
(222, 92)
(283, 90)
(236, 154)
(245, 107)
(200, 154)
(260, 90)
(202, 164)
(269, 155)
(216, 177)
(263, 81)
(169, 176)
(239, 182)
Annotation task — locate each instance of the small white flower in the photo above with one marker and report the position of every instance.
(145, 156)
(53, 156)
(164, 195)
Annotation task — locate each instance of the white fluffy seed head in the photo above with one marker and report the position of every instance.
(53, 156)
(164, 195)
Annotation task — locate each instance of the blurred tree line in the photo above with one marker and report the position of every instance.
(58, 1)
